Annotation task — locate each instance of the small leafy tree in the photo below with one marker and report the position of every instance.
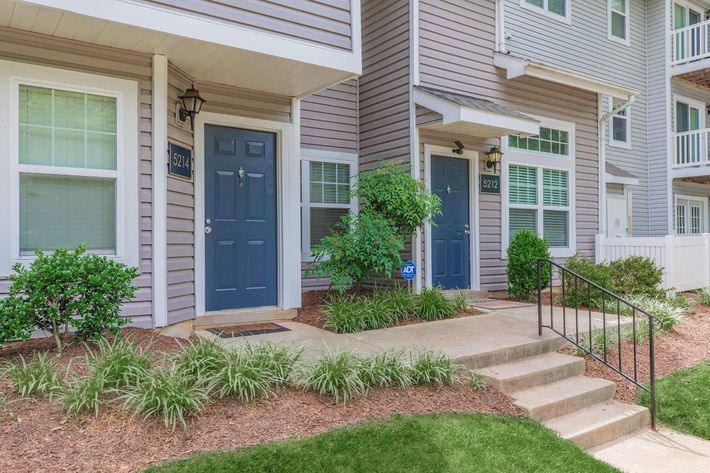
(523, 253)
(391, 192)
(67, 289)
(361, 246)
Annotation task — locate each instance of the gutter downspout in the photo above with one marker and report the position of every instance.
(500, 27)
(602, 155)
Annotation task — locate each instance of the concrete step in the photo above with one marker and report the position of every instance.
(533, 371)
(511, 353)
(599, 423)
(244, 317)
(562, 397)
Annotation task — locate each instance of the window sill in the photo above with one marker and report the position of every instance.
(619, 144)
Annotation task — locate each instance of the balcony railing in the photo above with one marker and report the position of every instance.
(690, 148)
(691, 43)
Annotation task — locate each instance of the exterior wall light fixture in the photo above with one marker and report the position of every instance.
(494, 157)
(191, 105)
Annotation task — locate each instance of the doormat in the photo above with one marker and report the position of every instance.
(234, 331)
(498, 304)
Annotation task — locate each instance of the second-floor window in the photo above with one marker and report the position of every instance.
(619, 126)
(619, 20)
(559, 9)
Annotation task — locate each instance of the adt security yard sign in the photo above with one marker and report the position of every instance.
(409, 270)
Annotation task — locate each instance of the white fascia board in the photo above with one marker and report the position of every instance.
(701, 171)
(516, 67)
(626, 181)
(455, 113)
(211, 31)
(695, 66)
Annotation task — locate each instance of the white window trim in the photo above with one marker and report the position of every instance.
(627, 27)
(323, 156)
(126, 173)
(701, 106)
(616, 143)
(567, 18)
(542, 161)
(688, 6)
(703, 201)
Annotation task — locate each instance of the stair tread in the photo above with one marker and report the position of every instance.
(531, 365)
(593, 417)
(559, 391)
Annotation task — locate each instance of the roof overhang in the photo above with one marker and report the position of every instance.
(516, 67)
(464, 120)
(626, 181)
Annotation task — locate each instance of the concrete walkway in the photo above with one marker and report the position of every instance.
(664, 451)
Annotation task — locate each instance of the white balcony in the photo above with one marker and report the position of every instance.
(690, 153)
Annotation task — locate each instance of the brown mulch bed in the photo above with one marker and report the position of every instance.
(37, 437)
(686, 345)
(311, 313)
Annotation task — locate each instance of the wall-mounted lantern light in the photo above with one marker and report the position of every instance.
(191, 105)
(494, 157)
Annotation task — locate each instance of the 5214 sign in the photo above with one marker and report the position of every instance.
(490, 184)
(180, 162)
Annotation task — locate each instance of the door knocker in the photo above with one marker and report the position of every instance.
(241, 173)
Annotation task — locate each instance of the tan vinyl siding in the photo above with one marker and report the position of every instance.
(68, 54)
(384, 86)
(325, 22)
(456, 53)
(329, 119)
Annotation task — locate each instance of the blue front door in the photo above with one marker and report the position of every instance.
(240, 218)
(450, 236)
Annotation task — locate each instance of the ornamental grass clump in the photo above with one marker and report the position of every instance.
(432, 304)
(704, 296)
(82, 394)
(344, 314)
(434, 369)
(277, 360)
(200, 361)
(118, 363)
(37, 377)
(460, 302)
(399, 300)
(165, 392)
(336, 375)
(244, 377)
(387, 369)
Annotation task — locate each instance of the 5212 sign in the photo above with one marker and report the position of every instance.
(490, 184)
(180, 162)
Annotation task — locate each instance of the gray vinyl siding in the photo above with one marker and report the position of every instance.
(584, 47)
(329, 119)
(36, 48)
(658, 101)
(326, 22)
(384, 86)
(456, 53)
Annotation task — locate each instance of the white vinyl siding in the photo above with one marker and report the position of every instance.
(558, 9)
(538, 186)
(326, 181)
(619, 20)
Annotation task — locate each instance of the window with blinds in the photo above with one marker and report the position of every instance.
(68, 169)
(325, 195)
(522, 185)
(554, 188)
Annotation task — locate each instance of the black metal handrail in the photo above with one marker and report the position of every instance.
(579, 343)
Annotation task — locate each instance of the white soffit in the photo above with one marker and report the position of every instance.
(516, 67)
(462, 119)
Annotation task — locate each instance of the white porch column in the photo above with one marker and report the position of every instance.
(159, 119)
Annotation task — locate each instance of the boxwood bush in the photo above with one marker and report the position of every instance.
(523, 252)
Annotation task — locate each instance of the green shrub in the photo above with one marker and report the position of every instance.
(400, 301)
(432, 304)
(200, 361)
(68, 289)
(82, 394)
(635, 275)
(243, 377)
(15, 321)
(164, 392)
(385, 369)
(361, 246)
(477, 382)
(336, 375)
(277, 360)
(434, 369)
(704, 296)
(118, 363)
(344, 314)
(37, 377)
(523, 252)
(599, 274)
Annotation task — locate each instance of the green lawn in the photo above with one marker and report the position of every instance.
(412, 444)
(683, 400)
